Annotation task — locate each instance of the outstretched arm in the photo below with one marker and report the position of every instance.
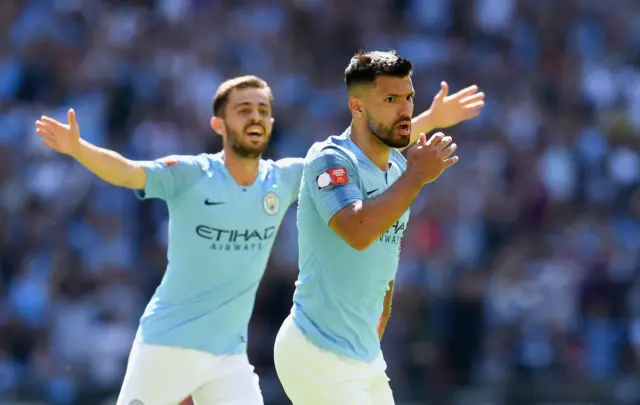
(110, 166)
(162, 178)
(447, 110)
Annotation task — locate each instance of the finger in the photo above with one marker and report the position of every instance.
(71, 116)
(444, 90)
(472, 98)
(422, 139)
(43, 133)
(51, 121)
(471, 115)
(445, 142)
(435, 139)
(45, 126)
(446, 152)
(473, 107)
(50, 144)
(450, 162)
(467, 91)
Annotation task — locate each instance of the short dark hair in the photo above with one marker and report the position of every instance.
(237, 83)
(365, 67)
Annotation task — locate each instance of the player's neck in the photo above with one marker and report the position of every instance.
(371, 146)
(243, 170)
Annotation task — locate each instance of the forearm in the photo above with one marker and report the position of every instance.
(110, 166)
(363, 222)
(386, 311)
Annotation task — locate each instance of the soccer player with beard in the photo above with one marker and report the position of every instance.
(225, 210)
(353, 209)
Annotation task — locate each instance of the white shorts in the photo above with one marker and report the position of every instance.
(162, 375)
(313, 376)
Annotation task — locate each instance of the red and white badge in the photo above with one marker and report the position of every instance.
(332, 177)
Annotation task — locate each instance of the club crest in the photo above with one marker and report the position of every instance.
(271, 203)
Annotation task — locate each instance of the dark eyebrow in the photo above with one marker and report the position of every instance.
(246, 103)
(400, 95)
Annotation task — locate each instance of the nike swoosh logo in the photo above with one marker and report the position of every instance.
(372, 191)
(209, 202)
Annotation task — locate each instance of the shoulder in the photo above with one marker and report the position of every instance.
(202, 162)
(205, 161)
(334, 149)
(286, 169)
(288, 164)
(280, 166)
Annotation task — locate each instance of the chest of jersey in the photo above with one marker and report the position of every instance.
(374, 182)
(219, 215)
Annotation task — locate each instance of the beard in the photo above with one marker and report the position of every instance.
(386, 134)
(235, 140)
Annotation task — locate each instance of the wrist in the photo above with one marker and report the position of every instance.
(78, 150)
(413, 178)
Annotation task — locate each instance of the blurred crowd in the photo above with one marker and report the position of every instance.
(520, 267)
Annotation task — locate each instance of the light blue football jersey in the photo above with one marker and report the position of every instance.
(340, 291)
(220, 237)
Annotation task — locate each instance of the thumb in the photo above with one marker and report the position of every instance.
(422, 139)
(444, 90)
(71, 116)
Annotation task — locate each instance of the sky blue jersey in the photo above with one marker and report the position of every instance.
(220, 237)
(340, 291)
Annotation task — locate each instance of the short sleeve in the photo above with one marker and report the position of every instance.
(291, 174)
(171, 176)
(332, 180)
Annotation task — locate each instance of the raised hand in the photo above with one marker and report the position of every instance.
(448, 110)
(429, 159)
(64, 138)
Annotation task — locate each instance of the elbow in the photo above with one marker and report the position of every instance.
(357, 239)
(360, 245)
(349, 225)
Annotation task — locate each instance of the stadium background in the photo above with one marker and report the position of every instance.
(519, 276)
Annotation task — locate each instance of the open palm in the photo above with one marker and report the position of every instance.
(64, 138)
(449, 110)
